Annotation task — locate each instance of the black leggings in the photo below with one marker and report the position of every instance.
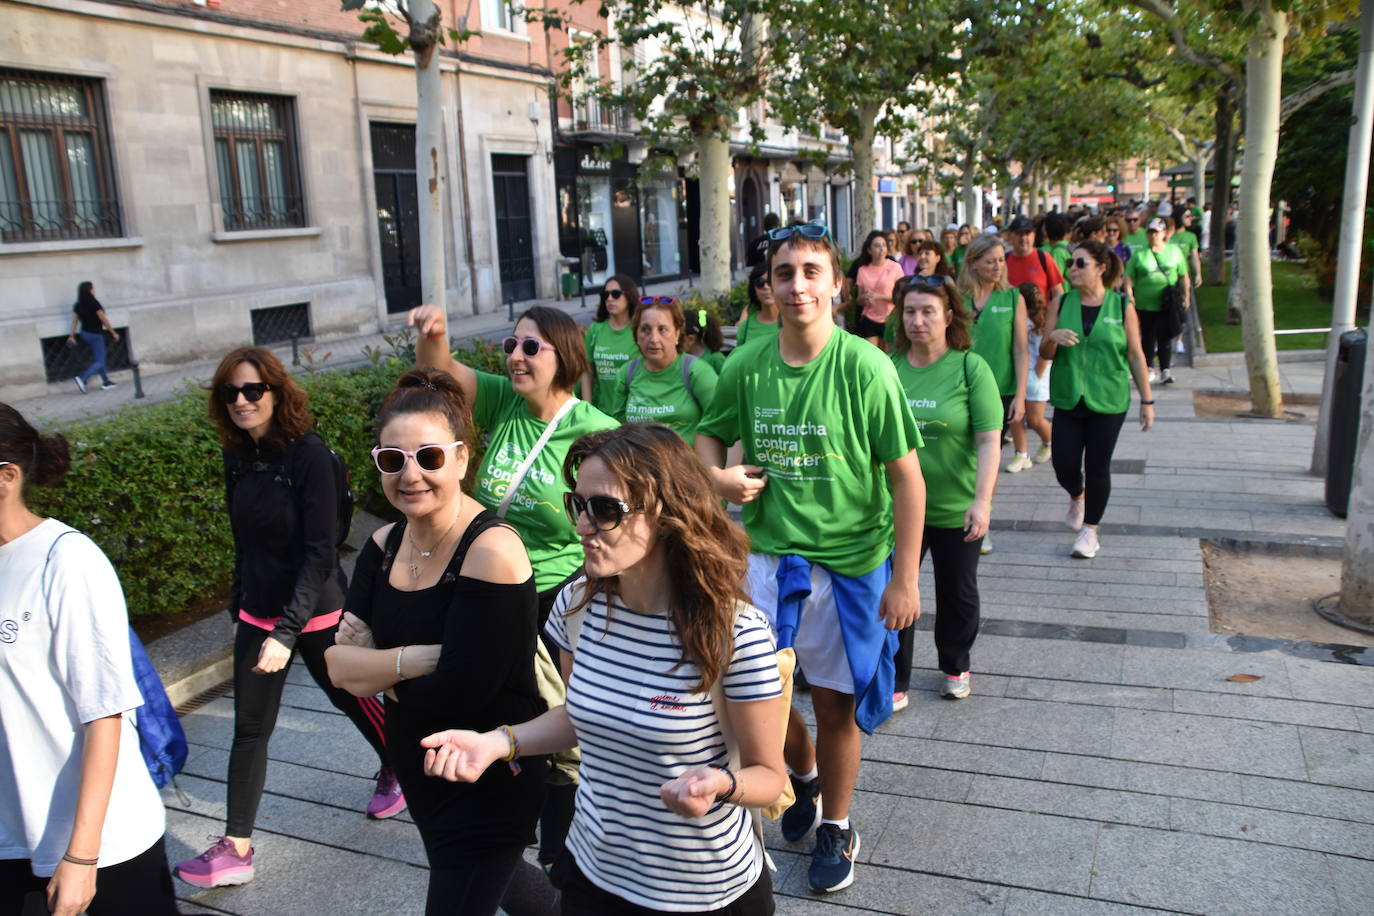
(1083, 444)
(955, 565)
(257, 699)
(1154, 338)
(474, 886)
(141, 885)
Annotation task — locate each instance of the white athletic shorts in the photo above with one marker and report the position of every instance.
(819, 643)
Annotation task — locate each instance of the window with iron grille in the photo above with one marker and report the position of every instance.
(56, 179)
(256, 156)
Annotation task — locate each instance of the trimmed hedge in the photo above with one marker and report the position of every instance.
(147, 483)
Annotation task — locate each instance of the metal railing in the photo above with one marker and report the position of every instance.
(264, 213)
(52, 220)
(281, 323)
(593, 115)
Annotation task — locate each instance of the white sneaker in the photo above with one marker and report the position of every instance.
(1044, 453)
(1154, 376)
(1180, 348)
(1086, 544)
(80, 383)
(956, 688)
(1076, 510)
(1018, 464)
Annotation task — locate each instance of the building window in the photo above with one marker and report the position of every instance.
(497, 14)
(55, 176)
(256, 156)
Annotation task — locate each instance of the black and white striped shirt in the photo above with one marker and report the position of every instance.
(639, 725)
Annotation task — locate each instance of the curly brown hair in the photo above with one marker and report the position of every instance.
(706, 553)
(291, 417)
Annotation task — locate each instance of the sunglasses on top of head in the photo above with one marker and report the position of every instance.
(933, 280)
(530, 346)
(252, 392)
(806, 230)
(605, 512)
(657, 300)
(391, 460)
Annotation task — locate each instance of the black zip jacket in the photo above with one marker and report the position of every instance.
(283, 515)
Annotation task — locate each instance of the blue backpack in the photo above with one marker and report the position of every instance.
(160, 736)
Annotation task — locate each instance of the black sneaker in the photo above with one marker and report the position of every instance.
(832, 861)
(805, 813)
(106, 386)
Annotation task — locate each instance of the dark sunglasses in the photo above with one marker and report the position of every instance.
(429, 457)
(1081, 263)
(1113, 229)
(657, 300)
(529, 346)
(606, 512)
(1132, 219)
(612, 293)
(806, 230)
(252, 392)
(760, 283)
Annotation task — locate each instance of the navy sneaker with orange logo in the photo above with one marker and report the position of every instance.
(832, 861)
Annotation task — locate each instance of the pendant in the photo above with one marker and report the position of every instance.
(414, 571)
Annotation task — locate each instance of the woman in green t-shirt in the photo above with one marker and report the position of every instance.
(610, 342)
(953, 397)
(1093, 339)
(760, 317)
(703, 339)
(999, 331)
(1151, 270)
(520, 476)
(664, 385)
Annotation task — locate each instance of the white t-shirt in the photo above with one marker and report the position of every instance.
(640, 724)
(64, 661)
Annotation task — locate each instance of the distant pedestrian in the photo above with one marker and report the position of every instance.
(81, 823)
(1093, 338)
(610, 342)
(1037, 371)
(90, 321)
(760, 316)
(758, 247)
(999, 322)
(664, 385)
(1152, 271)
(873, 284)
(287, 592)
(703, 339)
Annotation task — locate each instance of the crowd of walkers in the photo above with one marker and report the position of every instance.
(564, 639)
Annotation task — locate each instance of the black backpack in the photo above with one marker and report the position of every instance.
(343, 483)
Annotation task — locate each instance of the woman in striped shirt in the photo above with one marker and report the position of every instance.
(656, 639)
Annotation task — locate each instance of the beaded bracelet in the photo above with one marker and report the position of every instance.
(66, 857)
(510, 758)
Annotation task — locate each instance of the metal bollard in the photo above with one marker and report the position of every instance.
(295, 351)
(138, 380)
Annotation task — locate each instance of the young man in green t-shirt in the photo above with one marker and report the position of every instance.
(830, 485)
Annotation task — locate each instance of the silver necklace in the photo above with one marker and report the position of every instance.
(426, 554)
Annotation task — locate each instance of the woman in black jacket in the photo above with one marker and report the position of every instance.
(288, 589)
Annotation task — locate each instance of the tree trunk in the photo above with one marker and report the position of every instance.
(713, 160)
(429, 155)
(1352, 227)
(1263, 75)
(1223, 162)
(973, 209)
(1032, 195)
(862, 142)
(1357, 569)
(1200, 180)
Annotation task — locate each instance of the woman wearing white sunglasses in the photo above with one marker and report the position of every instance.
(440, 616)
(533, 418)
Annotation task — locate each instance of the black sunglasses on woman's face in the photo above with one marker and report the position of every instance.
(612, 293)
(606, 512)
(252, 392)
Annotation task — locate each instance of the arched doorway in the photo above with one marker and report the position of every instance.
(750, 211)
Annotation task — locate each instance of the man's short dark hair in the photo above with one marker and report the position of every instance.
(1056, 226)
(771, 221)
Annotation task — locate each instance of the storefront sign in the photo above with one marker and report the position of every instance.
(591, 163)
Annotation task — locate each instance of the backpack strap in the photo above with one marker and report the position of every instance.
(523, 470)
(687, 361)
(630, 369)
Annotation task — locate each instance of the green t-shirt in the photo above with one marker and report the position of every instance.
(993, 337)
(536, 512)
(823, 432)
(753, 329)
(608, 350)
(1137, 239)
(1151, 271)
(1062, 252)
(1186, 242)
(956, 257)
(660, 397)
(951, 402)
(715, 359)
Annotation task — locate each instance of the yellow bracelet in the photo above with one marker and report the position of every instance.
(510, 758)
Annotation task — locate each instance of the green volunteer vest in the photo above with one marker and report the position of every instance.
(1094, 370)
(993, 337)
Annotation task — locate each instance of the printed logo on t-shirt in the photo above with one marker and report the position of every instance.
(609, 363)
(1110, 320)
(785, 449)
(637, 406)
(9, 629)
(667, 701)
(504, 463)
(1000, 309)
(923, 403)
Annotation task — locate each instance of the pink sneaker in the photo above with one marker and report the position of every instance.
(218, 866)
(387, 801)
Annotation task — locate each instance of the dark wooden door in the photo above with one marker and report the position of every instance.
(514, 229)
(398, 213)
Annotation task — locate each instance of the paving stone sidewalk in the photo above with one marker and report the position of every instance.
(1103, 765)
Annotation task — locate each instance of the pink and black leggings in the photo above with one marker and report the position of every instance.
(257, 699)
